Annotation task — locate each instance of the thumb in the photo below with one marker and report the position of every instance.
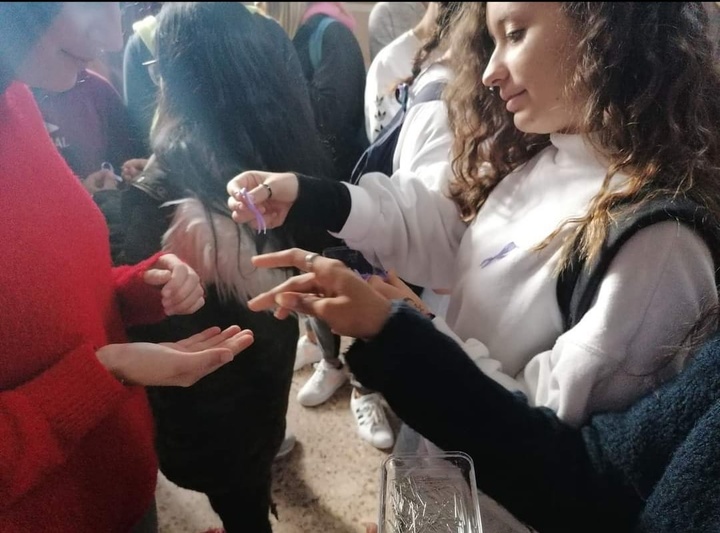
(302, 303)
(156, 276)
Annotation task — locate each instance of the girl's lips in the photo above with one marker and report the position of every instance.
(513, 104)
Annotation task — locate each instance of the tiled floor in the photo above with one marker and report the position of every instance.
(329, 483)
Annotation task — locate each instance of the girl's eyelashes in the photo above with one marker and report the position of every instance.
(515, 36)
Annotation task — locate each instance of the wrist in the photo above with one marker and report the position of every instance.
(109, 357)
(380, 319)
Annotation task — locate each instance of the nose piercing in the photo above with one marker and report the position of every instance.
(493, 90)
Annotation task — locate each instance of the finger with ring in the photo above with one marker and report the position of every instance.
(309, 258)
(269, 190)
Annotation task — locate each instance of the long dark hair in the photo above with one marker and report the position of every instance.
(652, 82)
(230, 100)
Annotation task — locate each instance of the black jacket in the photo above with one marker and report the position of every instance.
(221, 434)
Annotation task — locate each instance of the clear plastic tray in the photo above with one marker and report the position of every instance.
(429, 494)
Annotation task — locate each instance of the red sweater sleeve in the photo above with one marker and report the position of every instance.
(139, 302)
(43, 420)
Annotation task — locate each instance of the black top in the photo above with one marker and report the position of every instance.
(220, 435)
(652, 468)
(337, 90)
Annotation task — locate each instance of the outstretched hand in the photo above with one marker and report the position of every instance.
(327, 290)
(179, 363)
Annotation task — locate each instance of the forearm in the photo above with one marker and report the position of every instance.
(524, 457)
(406, 226)
(321, 202)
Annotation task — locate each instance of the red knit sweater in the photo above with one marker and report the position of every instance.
(76, 447)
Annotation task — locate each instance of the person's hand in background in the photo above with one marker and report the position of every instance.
(102, 179)
(132, 168)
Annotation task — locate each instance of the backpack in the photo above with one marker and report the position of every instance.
(315, 50)
(579, 282)
(378, 157)
(316, 40)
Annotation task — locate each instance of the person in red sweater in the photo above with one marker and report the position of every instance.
(76, 434)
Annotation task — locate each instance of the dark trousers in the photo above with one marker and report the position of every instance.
(244, 508)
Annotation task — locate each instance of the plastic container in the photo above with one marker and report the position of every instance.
(429, 494)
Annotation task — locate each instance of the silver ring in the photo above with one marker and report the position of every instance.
(269, 190)
(309, 258)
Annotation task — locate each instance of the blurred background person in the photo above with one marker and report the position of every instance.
(389, 20)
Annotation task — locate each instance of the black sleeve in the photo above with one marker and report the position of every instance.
(526, 458)
(144, 222)
(321, 202)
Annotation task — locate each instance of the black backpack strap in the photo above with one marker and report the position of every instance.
(578, 282)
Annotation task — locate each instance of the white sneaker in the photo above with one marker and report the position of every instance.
(321, 385)
(373, 425)
(287, 445)
(307, 352)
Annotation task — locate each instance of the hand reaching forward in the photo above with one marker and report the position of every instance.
(328, 290)
(179, 363)
(182, 292)
(272, 194)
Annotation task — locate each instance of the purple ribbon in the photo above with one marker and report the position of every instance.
(262, 226)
